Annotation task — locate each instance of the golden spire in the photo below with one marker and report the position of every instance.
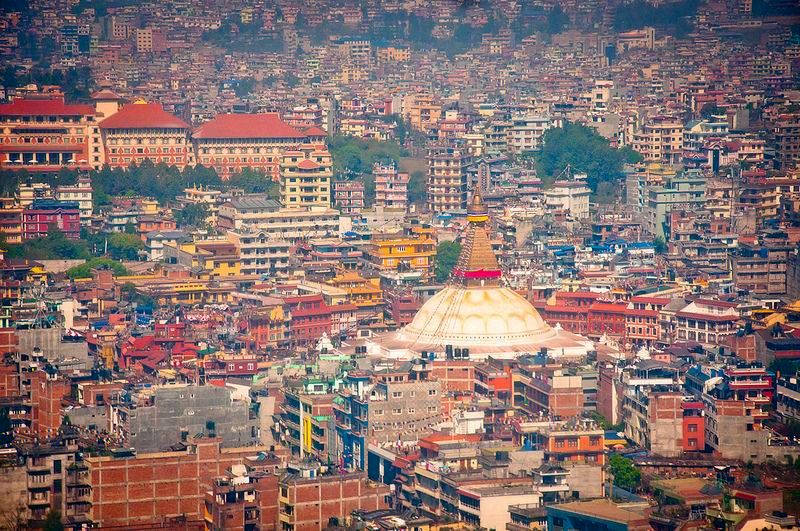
(477, 263)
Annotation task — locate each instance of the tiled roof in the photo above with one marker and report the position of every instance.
(267, 125)
(43, 107)
(143, 115)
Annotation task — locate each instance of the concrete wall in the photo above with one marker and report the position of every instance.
(584, 478)
(188, 408)
(89, 416)
(53, 348)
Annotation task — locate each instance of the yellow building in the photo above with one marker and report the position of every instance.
(422, 112)
(363, 292)
(207, 259)
(393, 54)
(306, 176)
(415, 252)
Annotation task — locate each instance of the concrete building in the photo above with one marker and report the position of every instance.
(256, 212)
(260, 253)
(570, 197)
(684, 191)
(526, 131)
(391, 186)
(447, 179)
(762, 269)
(348, 196)
(162, 416)
(81, 193)
(305, 176)
(660, 140)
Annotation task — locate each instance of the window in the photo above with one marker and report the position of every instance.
(432, 392)
(692, 428)
(397, 394)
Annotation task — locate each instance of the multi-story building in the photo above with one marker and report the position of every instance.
(256, 212)
(570, 197)
(787, 397)
(243, 499)
(11, 220)
(47, 390)
(305, 176)
(129, 488)
(787, 140)
(761, 269)
(661, 140)
(80, 193)
(526, 132)
(52, 482)
(414, 252)
(684, 191)
(447, 179)
(548, 391)
(706, 321)
(308, 499)
(159, 417)
(391, 186)
(145, 131)
(42, 214)
(231, 142)
(348, 196)
(45, 134)
(261, 254)
(642, 326)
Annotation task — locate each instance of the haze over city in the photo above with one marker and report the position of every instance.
(429, 265)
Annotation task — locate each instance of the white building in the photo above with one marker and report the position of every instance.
(569, 196)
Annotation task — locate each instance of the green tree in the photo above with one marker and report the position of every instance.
(625, 473)
(85, 270)
(446, 258)
(583, 150)
(660, 245)
(54, 246)
(52, 521)
(417, 187)
(124, 246)
(192, 215)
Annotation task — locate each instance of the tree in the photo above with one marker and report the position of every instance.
(192, 215)
(417, 187)
(446, 258)
(660, 245)
(54, 246)
(626, 475)
(85, 270)
(53, 521)
(583, 150)
(124, 246)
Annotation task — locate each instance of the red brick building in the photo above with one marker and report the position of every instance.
(47, 393)
(694, 427)
(641, 319)
(147, 488)
(243, 502)
(43, 214)
(454, 375)
(310, 318)
(307, 503)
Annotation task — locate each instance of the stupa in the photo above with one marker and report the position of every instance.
(476, 312)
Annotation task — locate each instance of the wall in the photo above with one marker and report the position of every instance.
(189, 408)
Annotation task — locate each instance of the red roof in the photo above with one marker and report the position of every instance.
(315, 131)
(308, 164)
(43, 107)
(143, 115)
(268, 125)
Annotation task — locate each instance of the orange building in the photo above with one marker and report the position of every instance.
(145, 131)
(231, 142)
(577, 445)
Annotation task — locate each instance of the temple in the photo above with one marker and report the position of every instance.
(475, 314)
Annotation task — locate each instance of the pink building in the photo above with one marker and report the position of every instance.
(43, 213)
(391, 186)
